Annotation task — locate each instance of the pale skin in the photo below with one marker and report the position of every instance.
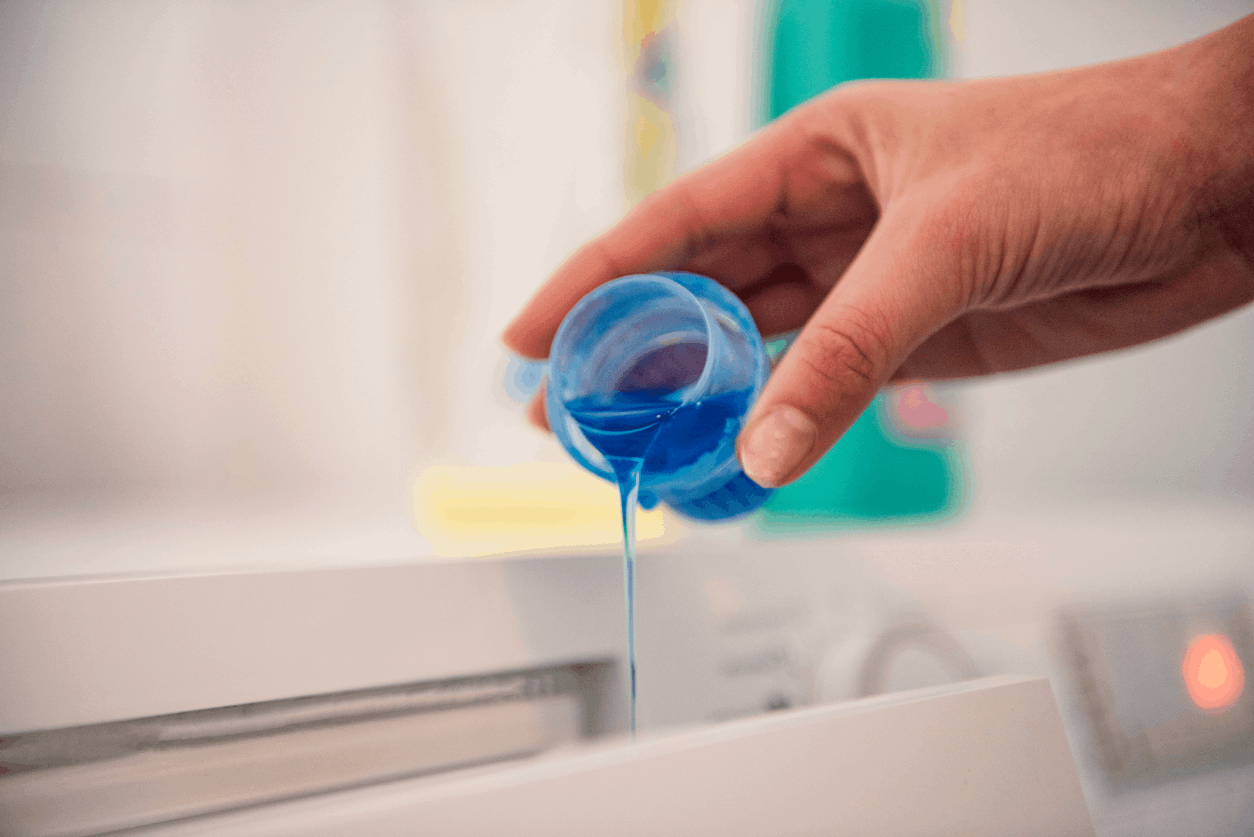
(940, 230)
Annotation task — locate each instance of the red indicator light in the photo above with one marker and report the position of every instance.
(1213, 673)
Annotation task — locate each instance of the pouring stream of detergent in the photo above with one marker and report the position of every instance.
(622, 430)
(623, 425)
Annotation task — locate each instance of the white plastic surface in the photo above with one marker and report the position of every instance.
(986, 758)
(88, 651)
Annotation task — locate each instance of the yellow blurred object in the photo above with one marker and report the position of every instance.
(651, 155)
(957, 23)
(467, 512)
(648, 49)
(642, 20)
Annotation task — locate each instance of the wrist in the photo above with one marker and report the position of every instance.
(1211, 83)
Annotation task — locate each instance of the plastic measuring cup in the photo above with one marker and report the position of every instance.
(687, 349)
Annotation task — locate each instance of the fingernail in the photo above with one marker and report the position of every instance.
(776, 444)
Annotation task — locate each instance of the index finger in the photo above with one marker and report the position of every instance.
(732, 198)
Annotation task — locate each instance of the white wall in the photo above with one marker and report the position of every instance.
(269, 245)
(199, 215)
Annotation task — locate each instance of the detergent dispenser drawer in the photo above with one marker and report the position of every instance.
(105, 777)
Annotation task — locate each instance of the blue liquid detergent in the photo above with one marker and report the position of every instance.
(645, 432)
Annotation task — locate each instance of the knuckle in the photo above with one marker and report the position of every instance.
(812, 124)
(698, 232)
(597, 252)
(837, 354)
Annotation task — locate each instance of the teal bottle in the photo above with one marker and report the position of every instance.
(814, 45)
(878, 472)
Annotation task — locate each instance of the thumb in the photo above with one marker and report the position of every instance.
(894, 295)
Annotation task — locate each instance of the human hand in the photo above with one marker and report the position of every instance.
(927, 230)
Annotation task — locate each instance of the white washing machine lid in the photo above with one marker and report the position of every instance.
(982, 758)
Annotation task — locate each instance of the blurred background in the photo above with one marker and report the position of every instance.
(255, 258)
(258, 254)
